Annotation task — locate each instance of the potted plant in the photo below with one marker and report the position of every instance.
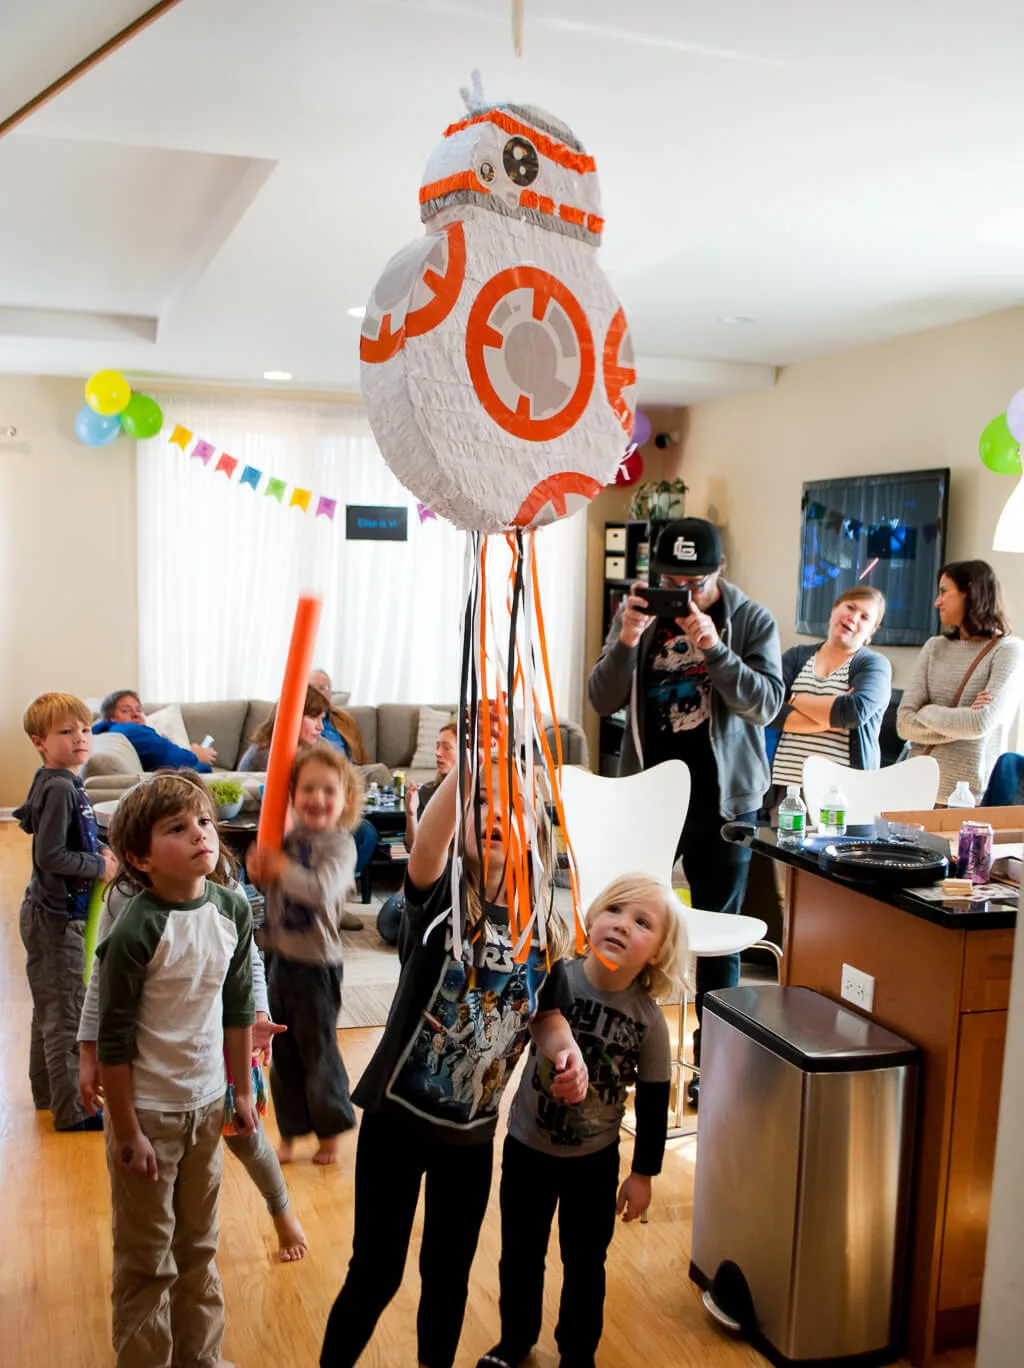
(658, 500)
(228, 797)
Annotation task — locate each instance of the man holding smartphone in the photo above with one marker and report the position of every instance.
(698, 687)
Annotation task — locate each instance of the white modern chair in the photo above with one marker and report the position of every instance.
(912, 785)
(632, 825)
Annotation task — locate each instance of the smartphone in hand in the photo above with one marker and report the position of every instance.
(666, 603)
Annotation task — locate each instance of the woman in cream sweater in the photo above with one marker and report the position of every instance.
(966, 739)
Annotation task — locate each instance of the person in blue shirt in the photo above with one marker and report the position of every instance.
(122, 712)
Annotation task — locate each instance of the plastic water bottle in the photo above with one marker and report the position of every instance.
(961, 797)
(792, 817)
(832, 817)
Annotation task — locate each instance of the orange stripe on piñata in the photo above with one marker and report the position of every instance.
(571, 215)
(446, 288)
(376, 350)
(545, 204)
(617, 377)
(595, 223)
(462, 180)
(547, 147)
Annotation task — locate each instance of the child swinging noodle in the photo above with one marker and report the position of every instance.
(460, 1019)
(568, 1156)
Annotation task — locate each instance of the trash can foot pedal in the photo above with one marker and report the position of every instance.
(722, 1317)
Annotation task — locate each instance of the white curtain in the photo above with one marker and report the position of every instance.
(221, 566)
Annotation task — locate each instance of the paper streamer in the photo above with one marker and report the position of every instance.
(285, 740)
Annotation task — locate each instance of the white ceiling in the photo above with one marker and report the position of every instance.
(210, 200)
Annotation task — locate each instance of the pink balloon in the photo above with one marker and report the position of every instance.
(1015, 415)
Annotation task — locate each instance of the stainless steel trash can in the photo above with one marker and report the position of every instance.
(802, 1184)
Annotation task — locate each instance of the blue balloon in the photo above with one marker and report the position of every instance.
(96, 429)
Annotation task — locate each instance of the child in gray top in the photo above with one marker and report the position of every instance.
(254, 1151)
(306, 882)
(568, 1156)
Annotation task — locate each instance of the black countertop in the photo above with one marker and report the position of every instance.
(960, 916)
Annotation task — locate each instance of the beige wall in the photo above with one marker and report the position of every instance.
(912, 403)
(68, 605)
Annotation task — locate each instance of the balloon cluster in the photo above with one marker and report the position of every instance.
(110, 408)
(1000, 443)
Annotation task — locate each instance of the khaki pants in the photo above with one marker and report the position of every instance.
(168, 1309)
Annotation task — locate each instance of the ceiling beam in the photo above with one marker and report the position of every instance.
(86, 64)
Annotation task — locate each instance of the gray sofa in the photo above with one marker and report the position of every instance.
(389, 732)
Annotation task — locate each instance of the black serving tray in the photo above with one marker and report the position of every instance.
(883, 862)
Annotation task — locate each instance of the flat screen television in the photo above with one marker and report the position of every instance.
(884, 530)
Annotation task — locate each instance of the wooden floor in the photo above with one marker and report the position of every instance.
(55, 1239)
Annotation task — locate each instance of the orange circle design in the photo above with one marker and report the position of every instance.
(480, 334)
(618, 378)
(446, 289)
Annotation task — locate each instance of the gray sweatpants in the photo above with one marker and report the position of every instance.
(55, 962)
(261, 1164)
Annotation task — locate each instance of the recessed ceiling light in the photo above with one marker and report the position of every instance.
(736, 318)
(277, 375)
(359, 311)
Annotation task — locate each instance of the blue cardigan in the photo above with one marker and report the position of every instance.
(859, 712)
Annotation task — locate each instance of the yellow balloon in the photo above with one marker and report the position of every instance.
(107, 391)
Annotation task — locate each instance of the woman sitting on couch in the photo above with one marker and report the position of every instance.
(310, 729)
(121, 712)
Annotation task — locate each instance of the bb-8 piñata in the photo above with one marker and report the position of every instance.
(498, 379)
(497, 366)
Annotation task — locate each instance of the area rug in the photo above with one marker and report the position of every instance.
(371, 973)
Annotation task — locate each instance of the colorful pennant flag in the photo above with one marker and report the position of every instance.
(327, 507)
(180, 436)
(275, 489)
(251, 476)
(227, 464)
(300, 499)
(202, 451)
(425, 512)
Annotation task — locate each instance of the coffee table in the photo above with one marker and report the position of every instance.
(389, 823)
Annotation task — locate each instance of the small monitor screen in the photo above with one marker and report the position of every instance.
(888, 531)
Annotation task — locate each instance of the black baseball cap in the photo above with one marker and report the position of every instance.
(688, 546)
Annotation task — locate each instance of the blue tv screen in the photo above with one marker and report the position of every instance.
(885, 530)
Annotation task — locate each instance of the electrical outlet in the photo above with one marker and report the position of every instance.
(857, 987)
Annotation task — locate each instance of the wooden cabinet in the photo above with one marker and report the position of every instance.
(947, 990)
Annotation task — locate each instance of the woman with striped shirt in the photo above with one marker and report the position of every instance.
(837, 692)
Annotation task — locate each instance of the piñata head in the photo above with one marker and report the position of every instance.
(497, 364)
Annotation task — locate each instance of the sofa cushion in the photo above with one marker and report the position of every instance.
(398, 727)
(259, 710)
(223, 721)
(112, 753)
(170, 724)
(340, 700)
(366, 720)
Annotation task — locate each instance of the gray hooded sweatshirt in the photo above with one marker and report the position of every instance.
(745, 670)
(65, 851)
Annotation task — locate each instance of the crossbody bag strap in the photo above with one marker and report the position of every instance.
(992, 642)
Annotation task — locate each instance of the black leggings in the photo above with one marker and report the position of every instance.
(584, 1188)
(390, 1163)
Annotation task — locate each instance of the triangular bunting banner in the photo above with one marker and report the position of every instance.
(251, 476)
(275, 489)
(180, 436)
(202, 451)
(300, 499)
(326, 507)
(227, 464)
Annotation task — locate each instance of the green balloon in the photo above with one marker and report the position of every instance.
(999, 449)
(142, 417)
